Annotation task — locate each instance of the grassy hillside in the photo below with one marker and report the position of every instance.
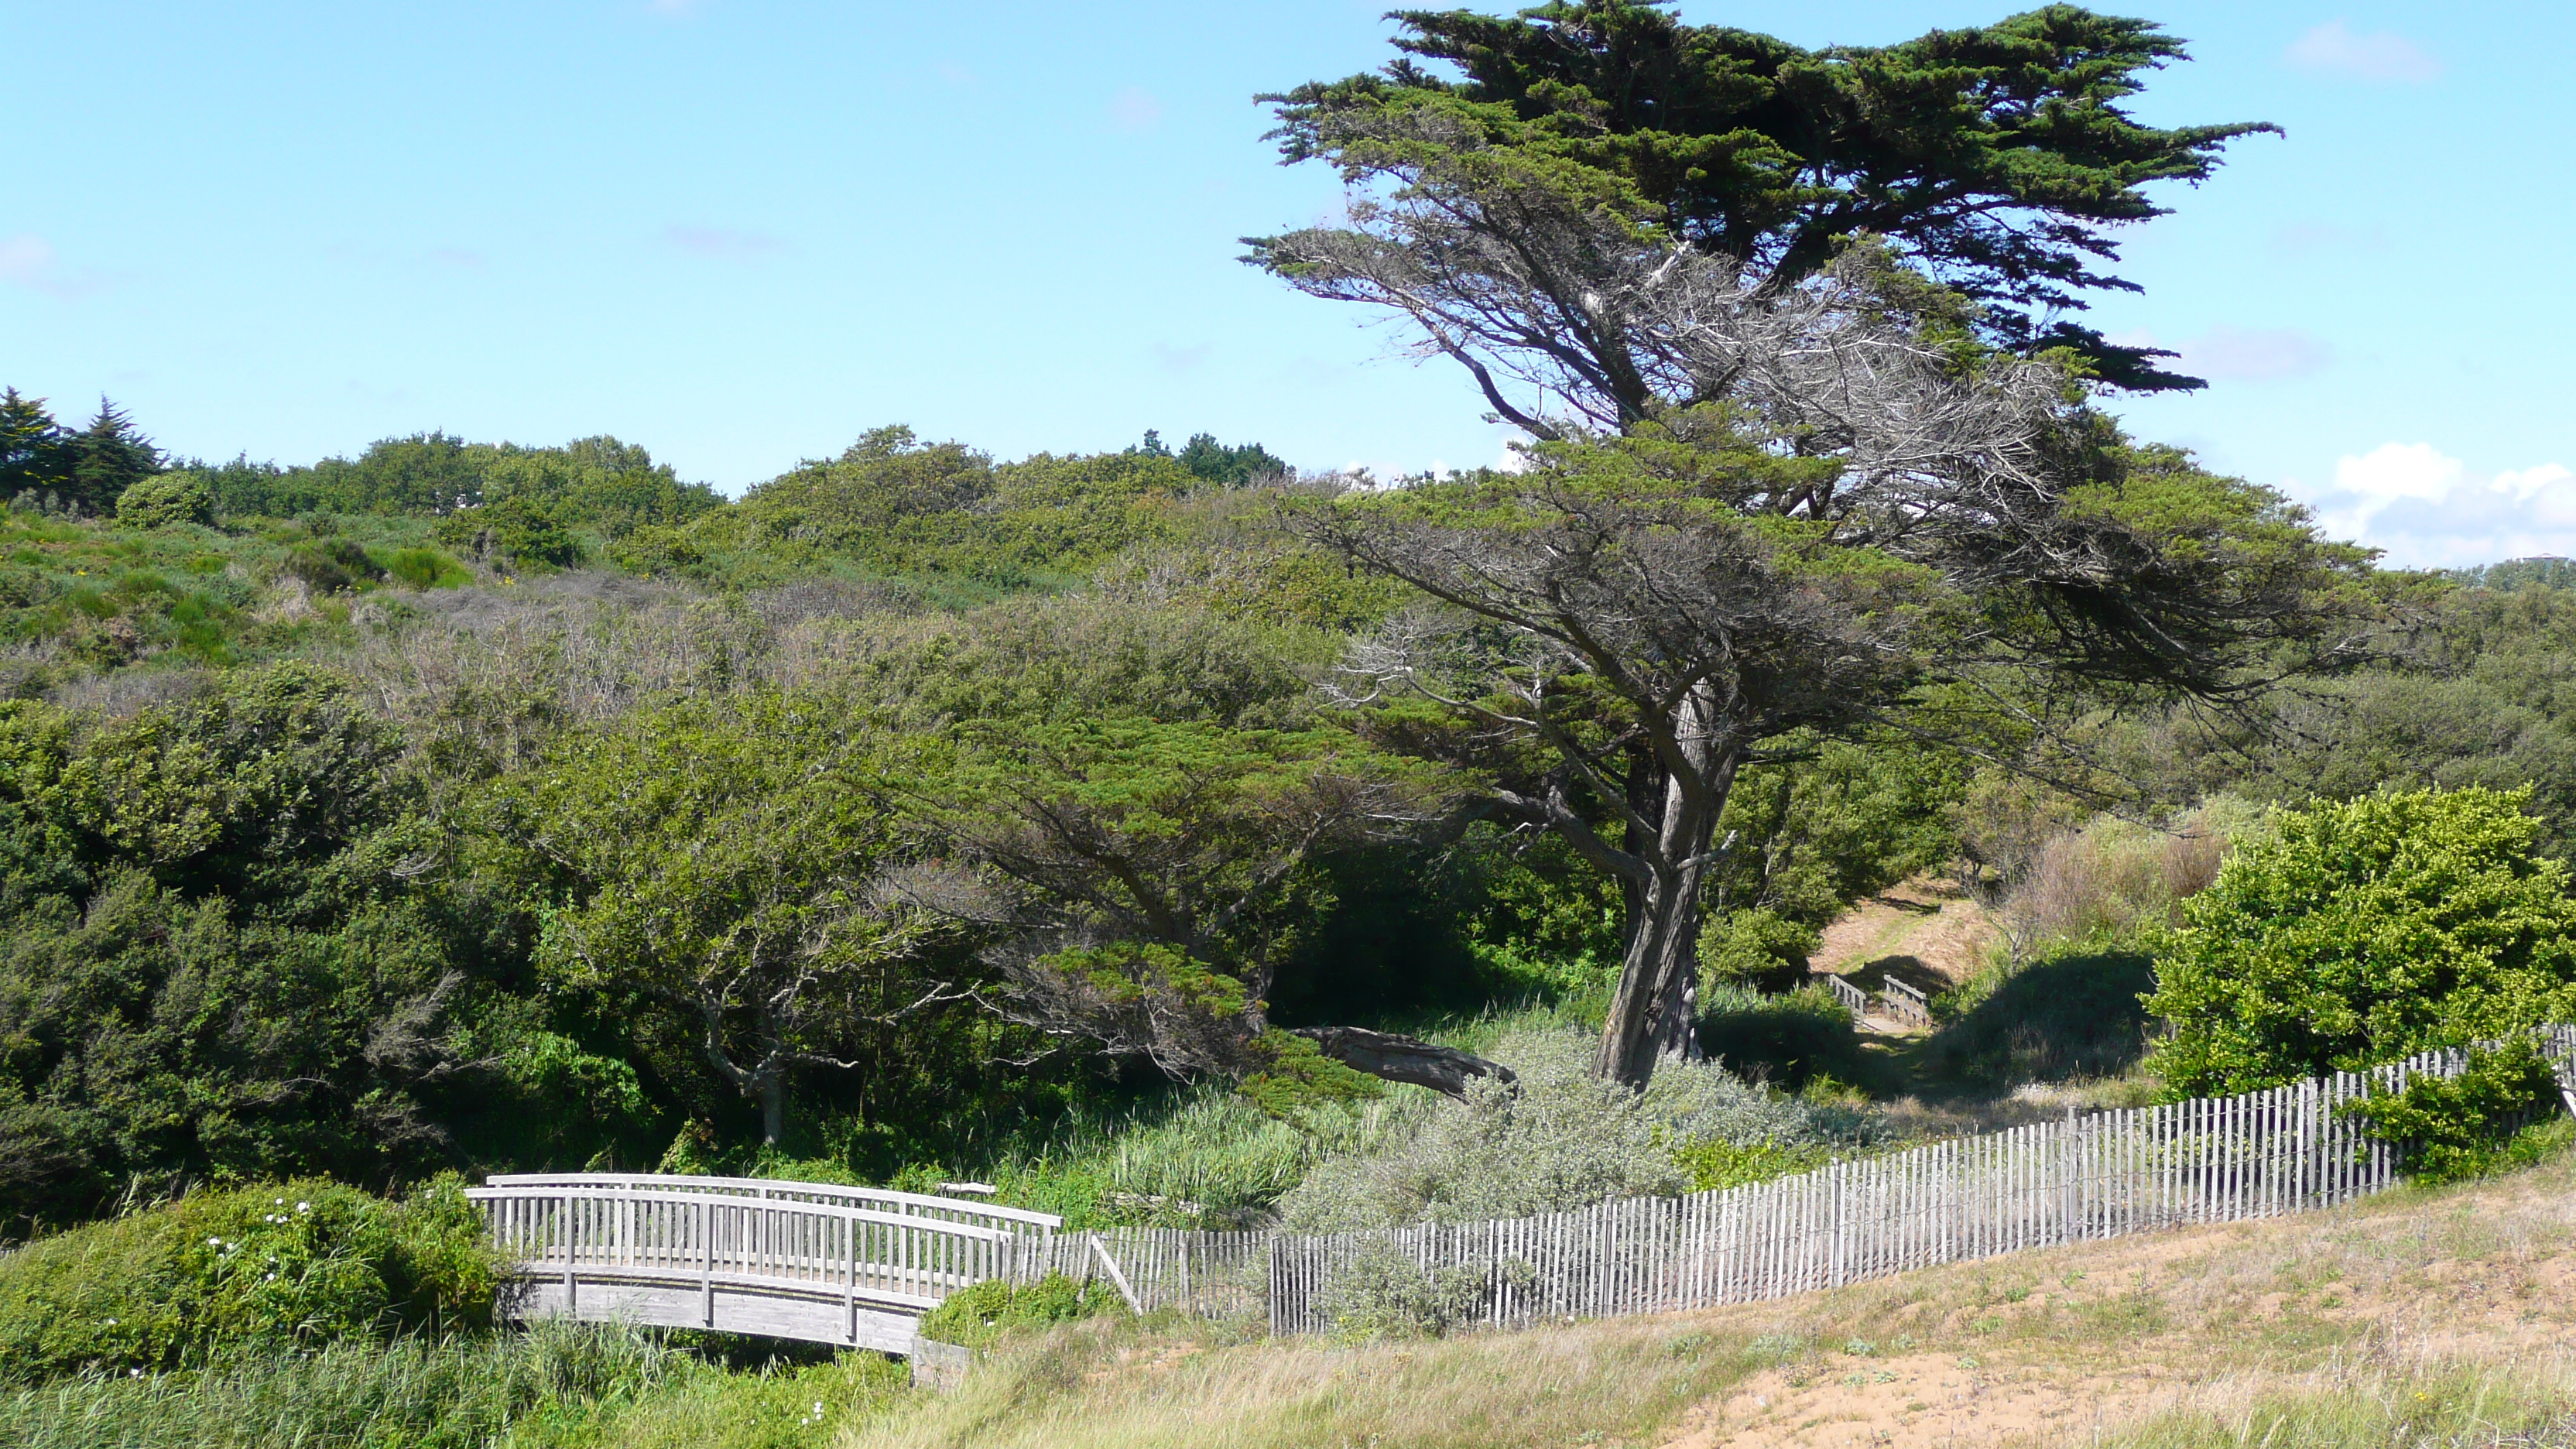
(2420, 1317)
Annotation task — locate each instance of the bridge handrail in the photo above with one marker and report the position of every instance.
(525, 1192)
(764, 1187)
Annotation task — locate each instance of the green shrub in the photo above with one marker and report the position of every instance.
(1559, 1138)
(1756, 948)
(1785, 1040)
(293, 1263)
(329, 565)
(2461, 1127)
(2361, 933)
(657, 550)
(164, 499)
(977, 1316)
(518, 529)
(1720, 1164)
(426, 568)
(2073, 1013)
(1383, 1293)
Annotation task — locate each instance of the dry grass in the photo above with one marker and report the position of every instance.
(1101, 1385)
(2114, 874)
(2418, 1317)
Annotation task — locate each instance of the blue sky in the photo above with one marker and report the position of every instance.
(741, 232)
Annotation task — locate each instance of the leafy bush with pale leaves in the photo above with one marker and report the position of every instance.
(1560, 1138)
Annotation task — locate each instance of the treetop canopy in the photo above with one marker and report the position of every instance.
(1997, 158)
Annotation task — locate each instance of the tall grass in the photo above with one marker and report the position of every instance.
(2438, 1405)
(1193, 1157)
(554, 1386)
(430, 1394)
(2115, 875)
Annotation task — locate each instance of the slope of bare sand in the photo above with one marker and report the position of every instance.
(2047, 1348)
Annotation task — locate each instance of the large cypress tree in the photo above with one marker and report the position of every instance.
(1997, 159)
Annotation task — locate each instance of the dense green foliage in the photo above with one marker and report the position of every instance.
(979, 1316)
(213, 958)
(2453, 1128)
(296, 1263)
(922, 815)
(2363, 932)
(333, 850)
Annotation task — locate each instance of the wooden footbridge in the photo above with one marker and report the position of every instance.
(852, 1266)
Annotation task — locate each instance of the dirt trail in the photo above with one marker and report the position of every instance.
(1928, 932)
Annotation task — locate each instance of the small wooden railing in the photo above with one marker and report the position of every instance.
(1854, 1000)
(1907, 1004)
(878, 1199)
(792, 1259)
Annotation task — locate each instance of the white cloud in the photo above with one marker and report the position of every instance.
(718, 244)
(2242, 354)
(25, 258)
(2382, 55)
(2427, 510)
(1135, 109)
(2256, 355)
(2306, 237)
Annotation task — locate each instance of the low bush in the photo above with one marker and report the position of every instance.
(426, 568)
(165, 499)
(2073, 1013)
(1717, 1163)
(981, 1315)
(296, 1263)
(1383, 1294)
(2456, 1128)
(1787, 1039)
(330, 565)
(1558, 1138)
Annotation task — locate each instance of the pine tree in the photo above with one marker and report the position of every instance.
(108, 457)
(1204, 456)
(31, 446)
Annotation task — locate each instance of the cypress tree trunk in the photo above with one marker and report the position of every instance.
(1651, 1014)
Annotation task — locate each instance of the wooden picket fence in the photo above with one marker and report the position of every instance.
(2212, 1160)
